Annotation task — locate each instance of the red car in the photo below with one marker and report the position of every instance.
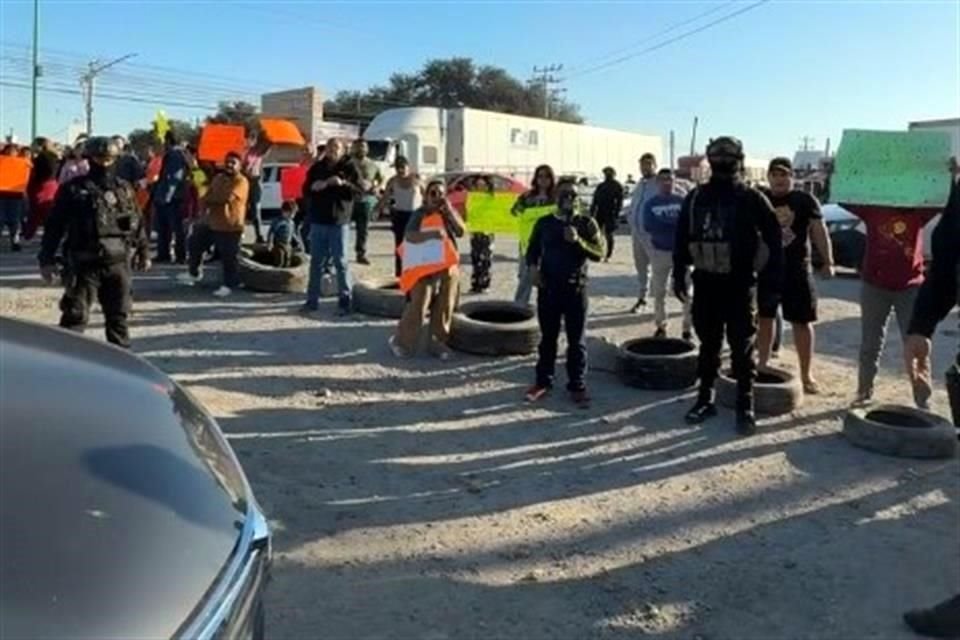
(459, 183)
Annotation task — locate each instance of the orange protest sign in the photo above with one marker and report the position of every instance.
(14, 173)
(281, 131)
(217, 140)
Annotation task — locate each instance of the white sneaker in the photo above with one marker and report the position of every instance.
(189, 279)
(223, 292)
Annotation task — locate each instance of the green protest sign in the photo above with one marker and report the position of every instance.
(490, 212)
(526, 221)
(892, 168)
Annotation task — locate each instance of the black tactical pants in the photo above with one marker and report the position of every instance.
(110, 282)
(720, 304)
(566, 303)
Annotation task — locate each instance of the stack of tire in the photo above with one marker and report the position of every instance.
(379, 297)
(657, 364)
(495, 328)
(256, 273)
(775, 391)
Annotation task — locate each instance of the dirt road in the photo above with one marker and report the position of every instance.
(420, 499)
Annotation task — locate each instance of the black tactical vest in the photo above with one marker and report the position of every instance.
(116, 217)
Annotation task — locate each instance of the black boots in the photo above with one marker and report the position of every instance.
(746, 422)
(940, 621)
(704, 409)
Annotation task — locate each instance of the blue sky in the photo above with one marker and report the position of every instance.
(774, 74)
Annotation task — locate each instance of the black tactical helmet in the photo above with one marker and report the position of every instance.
(725, 146)
(100, 147)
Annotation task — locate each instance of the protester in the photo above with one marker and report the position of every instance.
(891, 276)
(541, 194)
(801, 221)
(331, 183)
(12, 204)
(96, 219)
(257, 147)
(728, 232)
(481, 246)
(403, 195)
(74, 164)
(129, 167)
(436, 287)
(169, 194)
(645, 189)
(224, 208)
(606, 206)
(42, 186)
(660, 216)
(370, 181)
(283, 237)
(939, 293)
(560, 246)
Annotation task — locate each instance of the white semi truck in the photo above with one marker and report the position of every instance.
(449, 140)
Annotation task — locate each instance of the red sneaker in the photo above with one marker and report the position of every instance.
(536, 392)
(580, 398)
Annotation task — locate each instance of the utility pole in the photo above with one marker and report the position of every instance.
(95, 68)
(673, 150)
(36, 71)
(543, 76)
(806, 140)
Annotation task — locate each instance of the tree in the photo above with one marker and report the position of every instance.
(239, 112)
(142, 139)
(454, 82)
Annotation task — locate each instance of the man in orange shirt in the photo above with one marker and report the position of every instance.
(224, 210)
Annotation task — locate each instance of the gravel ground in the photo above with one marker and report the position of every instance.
(420, 499)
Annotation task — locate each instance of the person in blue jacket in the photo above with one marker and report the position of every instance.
(660, 215)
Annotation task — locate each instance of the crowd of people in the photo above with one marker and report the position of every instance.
(746, 252)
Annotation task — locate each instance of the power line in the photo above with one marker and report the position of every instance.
(661, 33)
(94, 69)
(670, 41)
(106, 96)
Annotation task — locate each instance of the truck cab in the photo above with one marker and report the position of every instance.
(416, 133)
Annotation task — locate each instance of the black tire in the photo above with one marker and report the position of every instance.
(775, 392)
(900, 431)
(657, 364)
(379, 297)
(495, 328)
(261, 277)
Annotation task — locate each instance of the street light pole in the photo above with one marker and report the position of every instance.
(36, 71)
(94, 69)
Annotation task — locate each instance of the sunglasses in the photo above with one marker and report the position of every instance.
(435, 193)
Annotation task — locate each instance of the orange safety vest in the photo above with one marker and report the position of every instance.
(451, 257)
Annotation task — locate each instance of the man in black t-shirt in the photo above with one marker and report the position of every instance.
(800, 219)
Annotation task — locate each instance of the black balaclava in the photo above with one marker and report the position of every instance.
(725, 155)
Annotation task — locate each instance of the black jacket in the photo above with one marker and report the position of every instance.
(97, 219)
(333, 205)
(563, 263)
(607, 201)
(941, 289)
(746, 220)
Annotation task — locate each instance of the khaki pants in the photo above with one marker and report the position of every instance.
(438, 294)
(662, 266)
(641, 260)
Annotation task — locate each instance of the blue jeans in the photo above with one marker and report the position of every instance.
(328, 243)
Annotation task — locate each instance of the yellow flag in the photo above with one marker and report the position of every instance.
(161, 125)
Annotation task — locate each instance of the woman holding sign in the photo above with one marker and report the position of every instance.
(541, 194)
(430, 273)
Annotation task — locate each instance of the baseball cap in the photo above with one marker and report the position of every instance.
(781, 164)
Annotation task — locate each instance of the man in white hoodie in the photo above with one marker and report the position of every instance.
(642, 249)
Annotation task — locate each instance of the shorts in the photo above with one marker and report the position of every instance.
(797, 297)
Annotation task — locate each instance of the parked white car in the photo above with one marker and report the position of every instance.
(272, 197)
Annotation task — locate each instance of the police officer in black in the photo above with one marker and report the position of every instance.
(728, 232)
(97, 220)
